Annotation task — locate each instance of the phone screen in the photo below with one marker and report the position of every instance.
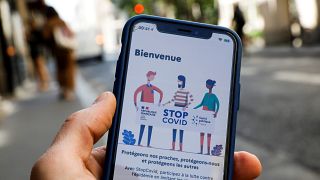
(175, 109)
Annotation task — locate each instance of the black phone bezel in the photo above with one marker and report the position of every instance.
(120, 82)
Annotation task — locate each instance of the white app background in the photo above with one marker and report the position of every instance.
(201, 59)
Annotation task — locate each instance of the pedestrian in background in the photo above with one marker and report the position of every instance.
(62, 44)
(37, 49)
(239, 21)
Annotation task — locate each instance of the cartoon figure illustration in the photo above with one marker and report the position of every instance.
(209, 102)
(182, 98)
(147, 95)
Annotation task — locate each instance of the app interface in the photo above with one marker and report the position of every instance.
(175, 109)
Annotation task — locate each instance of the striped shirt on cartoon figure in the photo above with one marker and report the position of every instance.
(182, 98)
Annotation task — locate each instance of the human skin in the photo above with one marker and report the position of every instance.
(72, 156)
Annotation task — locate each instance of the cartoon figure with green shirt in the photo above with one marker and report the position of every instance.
(210, 102)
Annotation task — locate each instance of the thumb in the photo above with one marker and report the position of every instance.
(246, 166)
(84, 128)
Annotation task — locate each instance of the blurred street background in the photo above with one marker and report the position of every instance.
(279, 117)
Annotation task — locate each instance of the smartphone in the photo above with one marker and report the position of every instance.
(177, 89)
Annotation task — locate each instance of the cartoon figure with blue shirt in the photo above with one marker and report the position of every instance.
(210, 102)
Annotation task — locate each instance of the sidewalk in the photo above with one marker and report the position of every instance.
(283, 51)
(6, 108)
(268, 124)
(27, 133)
(276, 165)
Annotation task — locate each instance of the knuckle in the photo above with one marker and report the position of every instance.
(38, 168)
(73, 117)
(109, 120)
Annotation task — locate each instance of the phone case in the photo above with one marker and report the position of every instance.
(119, 81)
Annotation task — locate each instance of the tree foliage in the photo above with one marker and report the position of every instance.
(195, 10)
